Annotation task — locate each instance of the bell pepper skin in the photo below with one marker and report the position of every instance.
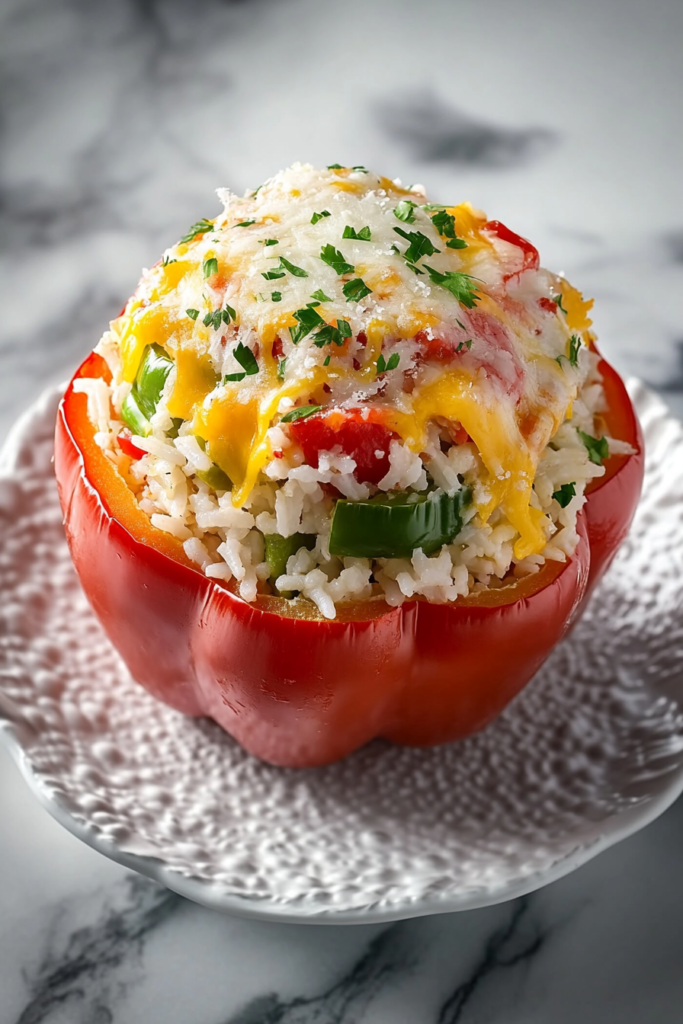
(293, 689)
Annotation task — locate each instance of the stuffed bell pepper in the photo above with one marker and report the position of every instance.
(346, 466)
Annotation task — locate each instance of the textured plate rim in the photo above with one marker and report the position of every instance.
(208, 894)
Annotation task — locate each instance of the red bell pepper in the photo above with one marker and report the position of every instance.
(296, 690)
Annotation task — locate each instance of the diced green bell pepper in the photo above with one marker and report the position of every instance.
(392, 526)
(215, 477)
(143, 398)
(279, 549)
(133, 416)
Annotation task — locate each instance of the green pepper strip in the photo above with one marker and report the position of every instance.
(143, 398)
(279, 549)
(393, 526)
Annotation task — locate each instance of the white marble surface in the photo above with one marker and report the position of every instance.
(118, 120)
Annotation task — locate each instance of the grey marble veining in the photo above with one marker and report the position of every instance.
(118, 121)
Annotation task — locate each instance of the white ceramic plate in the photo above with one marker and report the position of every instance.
(590, 752)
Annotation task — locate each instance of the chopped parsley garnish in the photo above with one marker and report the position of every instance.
(192, 313)
(244, 224)
(200, 227)
(433, 206)
(319, 216)
(320, 296)
(247, 360)
(574, 346)
(295, 271)
(419, 245)
(360, 236)
(276, 296)
(228, 314)
(281, 368)
(326, 360)
(213, 319)
(328, 334)
(334, 259)
(356, 290)
(461, 286)
(414, 269)
(565, 494)
(210, 266)
(597, 447)
(271, 241)
(464, 344)
(166, 261)
(444, 223)
(359, 167)
(301, 413)
(557, 299)
(383, 366)
(308, 319)
(335, 167)
(273, 275)
(405, 211)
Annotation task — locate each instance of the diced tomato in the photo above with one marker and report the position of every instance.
(127, 446)
(365, 440)
(531, 259)
(439, 350)
(278, 351)
(548, 305)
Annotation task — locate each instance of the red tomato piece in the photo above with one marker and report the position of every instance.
(531, 259)
(548, 305)
(127, 446)
(365, 440)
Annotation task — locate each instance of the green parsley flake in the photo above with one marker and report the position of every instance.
(320, 296)
(210, 267)
(335, 167)
(565, 494)
(326, 360)
(228, 314)
(281, 368)
(308, 319)
(383, 366)
(359, 167)
(444, 223)
(419, 245)
(246, 358)
(574, 346)
(329, 334)
(356, 290)
(319, 216)
(192, 313)
(276, 296)
(273, 275)
(167, 261)
(461, 286)
(597, 447)
(405, 211)
(360, 236)
(233, 376)
(295, 271)
(301, 413)
(456, 243)
(557, 299)
(271, 241)
(213, 319)
(334, 259)
(200, 227)
(464, 344)
(244, 224)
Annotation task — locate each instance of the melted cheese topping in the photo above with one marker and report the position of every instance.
(492, 363)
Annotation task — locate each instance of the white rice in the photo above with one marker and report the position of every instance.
(227, 543)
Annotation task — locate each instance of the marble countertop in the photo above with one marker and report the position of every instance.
(118, 122)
